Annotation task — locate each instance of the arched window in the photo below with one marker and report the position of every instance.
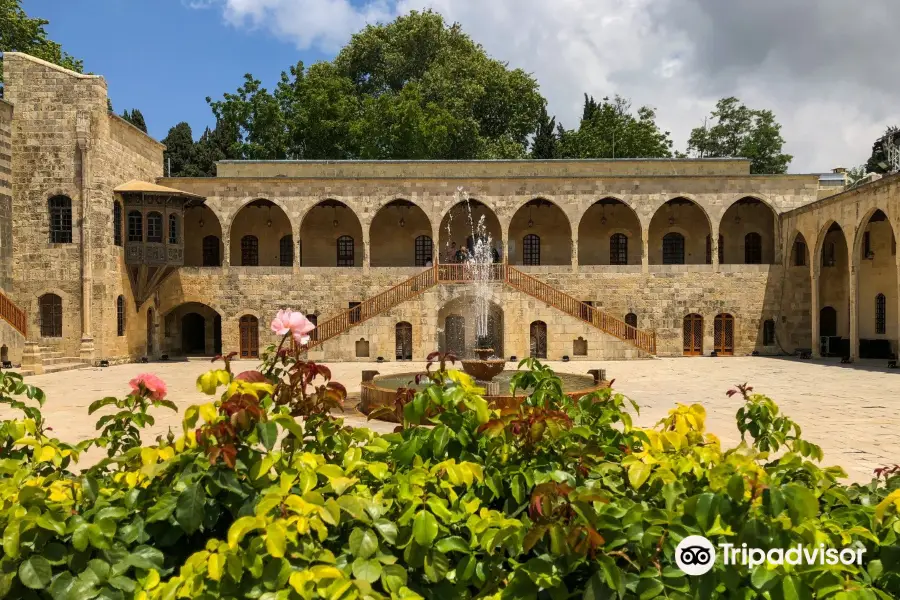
(768, 332)
(423, 250)
(799, 253)
(50, 313)
(120, 316)
(211, 251)
(249, 251)
(752, 249)
(286, 251)
(154, 228)
(345, 251)
(60, 220)
(173, 228)
(828, 322)
(135, 226)
(538, 332)
(709, 250)
(673, 249)
(631, 319)
(531, 250)
(403, 341)
(618, 249)
(117, 223)
(880, 314)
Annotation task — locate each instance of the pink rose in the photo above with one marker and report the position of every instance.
(149, 384)
(295, 323)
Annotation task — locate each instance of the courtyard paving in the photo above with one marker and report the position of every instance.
(853, 412)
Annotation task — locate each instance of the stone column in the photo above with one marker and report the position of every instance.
(31, 358)
(714, 246)
(366, 254)
(853, 291)
(226, 244)
(86, 351)
(574, 254)
(645, 249)
(814, 311)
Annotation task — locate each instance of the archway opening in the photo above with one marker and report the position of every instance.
(685, 218)
(747, 232)
(458, 324)
(723, 335)
(877, 300)
(256, 233)
(249, 336)
(692, 334)
(331, 236)
(192, 328)
(834, 291)
(609, 234)
(795, 328)
(403, 341)
(538, 339)
(462, 224)
(202, 238)
(400, 236)
(540, 234)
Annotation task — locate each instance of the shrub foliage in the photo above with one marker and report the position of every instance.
(265, 495)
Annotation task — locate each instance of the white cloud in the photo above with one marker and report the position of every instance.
(804, 59)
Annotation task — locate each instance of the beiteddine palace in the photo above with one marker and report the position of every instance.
(103, 259)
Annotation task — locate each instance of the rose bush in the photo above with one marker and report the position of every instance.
(264, 494)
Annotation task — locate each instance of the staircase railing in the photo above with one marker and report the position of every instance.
(605, 322)
(13, 315)
(374, 306)
(463, 273)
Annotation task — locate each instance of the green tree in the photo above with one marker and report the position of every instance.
(180, 153)
(878, 162)
(546, 139)
(20, 33)
(609, 129)
(414, 88)
(739, 131)
(135, 118)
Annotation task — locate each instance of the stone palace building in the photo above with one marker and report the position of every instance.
(104, 259)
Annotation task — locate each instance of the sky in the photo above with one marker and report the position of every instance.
(825, 67)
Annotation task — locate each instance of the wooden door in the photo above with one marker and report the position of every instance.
(723, 335)
(539, 339)
(455, 334)
(403, 339)
(249, 337)
(693, 335)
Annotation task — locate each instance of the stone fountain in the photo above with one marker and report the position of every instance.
(484, 368)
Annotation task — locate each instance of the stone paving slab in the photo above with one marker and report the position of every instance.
(852, 412)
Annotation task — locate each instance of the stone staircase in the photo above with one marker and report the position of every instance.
(54, 361)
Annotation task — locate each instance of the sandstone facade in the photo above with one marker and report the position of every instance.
(654, 240)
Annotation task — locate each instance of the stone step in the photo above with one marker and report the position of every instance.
(56, 360)
(68, 366)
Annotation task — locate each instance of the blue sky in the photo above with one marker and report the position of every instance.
(162, 56)
(828, 87)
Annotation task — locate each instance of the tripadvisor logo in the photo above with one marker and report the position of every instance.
(696, 555)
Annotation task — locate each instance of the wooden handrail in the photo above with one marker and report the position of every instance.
(13, 315)
(374, 306)
(463, 273)
(560, 300)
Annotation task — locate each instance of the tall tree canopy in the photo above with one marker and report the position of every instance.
(19, 33)
(609, 129)
(136, 118)
(739, 131)
(878, 162)
(414, 88)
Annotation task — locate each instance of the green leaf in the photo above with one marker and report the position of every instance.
(761, 576)
(276, 539)
(440, 436)
(736, 487)
(638, 474)
(35, 572)
(387, 529)
(268, 434)
(453, 544)
(163, 508)
(801, 502)
(393, 578)
(436, 565)
(367, 570)
(363, 542)
(190, 507)
(425, 528)
(11, 539)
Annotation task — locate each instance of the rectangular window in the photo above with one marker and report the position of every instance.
(799, 254)
(867, 246)
(345, 251)
(880, 314)
(769, 333)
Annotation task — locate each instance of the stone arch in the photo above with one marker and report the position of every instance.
(603, 219)
(745, 215)
(793, 259)
(265, 220)
(681, 215)
(463, 308)
(320, 228)
(832, 261)
(200, 222)
(457, 227)
(393, 232)
(192, 327)
(547, 220)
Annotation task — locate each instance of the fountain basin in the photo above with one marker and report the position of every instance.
(382, 390)
(483, 369)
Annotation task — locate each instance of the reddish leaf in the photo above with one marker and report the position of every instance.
(252, 377)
